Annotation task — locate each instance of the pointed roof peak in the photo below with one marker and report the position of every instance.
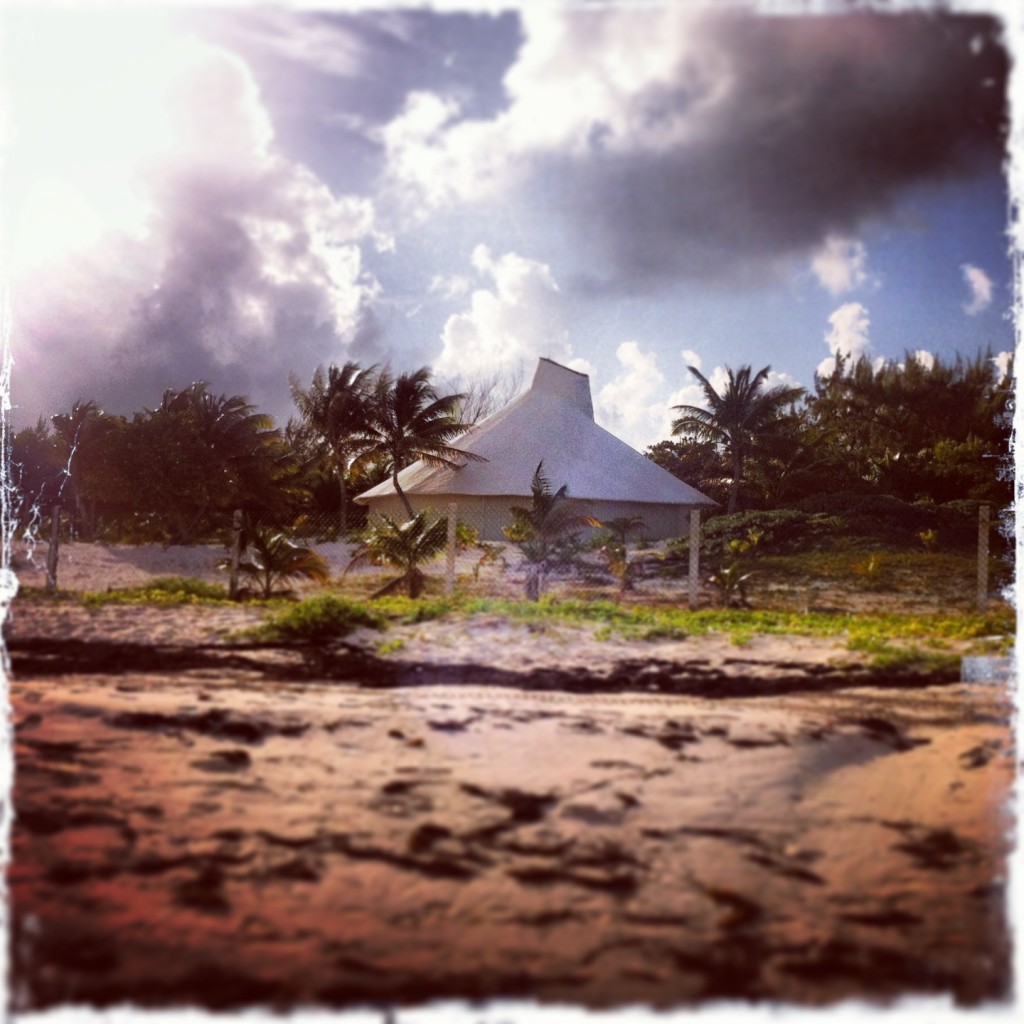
(552, 421)
(569, 385)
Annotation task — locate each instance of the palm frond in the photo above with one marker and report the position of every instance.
(273, 558)
(403, 546)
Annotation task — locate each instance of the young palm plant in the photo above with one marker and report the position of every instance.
(271, 558)
(621, 526)
(403, 546)
(546, 531)
(615, 549)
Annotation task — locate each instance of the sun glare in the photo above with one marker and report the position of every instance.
(86, 96)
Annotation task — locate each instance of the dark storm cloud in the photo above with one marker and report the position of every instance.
(221, 313)
(331, 79)
(824, 123)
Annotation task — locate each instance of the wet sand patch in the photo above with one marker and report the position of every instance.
(595, 848)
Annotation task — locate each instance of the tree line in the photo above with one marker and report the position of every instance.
(175, 473)
(917, 432)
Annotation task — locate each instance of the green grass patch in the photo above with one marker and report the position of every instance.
(922, 572)
(410, 611)
(317, 619)
(887, 657)
(166, 590)
(655, 623)
(966, 626)
(663, 632)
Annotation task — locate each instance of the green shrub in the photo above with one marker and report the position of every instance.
(827, 521)
(896, 523)
(405, 546)
(165, 590)
(325, 617)
(189, 586)
(779, 531)
(413, 610)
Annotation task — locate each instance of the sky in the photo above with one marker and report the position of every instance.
(235, 194)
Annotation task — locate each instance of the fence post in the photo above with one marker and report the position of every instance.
(694, 556)
(449, 575)
(53, 553)
(236, 553)
(982, 556)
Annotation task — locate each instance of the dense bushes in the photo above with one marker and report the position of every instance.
(318, 619)
(826, 521)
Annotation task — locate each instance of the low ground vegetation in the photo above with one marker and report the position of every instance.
(898, 632)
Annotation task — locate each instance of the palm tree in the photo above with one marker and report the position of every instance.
(738, 418)
(230, 427)
(403, 546)
(544, 531)
(241, 449)
(274, 558)
(409, 421)
(81, 434)
(335, 408)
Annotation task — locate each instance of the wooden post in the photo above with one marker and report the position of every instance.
(694, 557)
(53, 554)
(449, 576)
(236, 553)
(982, 557)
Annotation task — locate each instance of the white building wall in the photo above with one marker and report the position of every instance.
(488, 515)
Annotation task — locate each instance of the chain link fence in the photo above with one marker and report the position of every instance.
(590, 560)
(483, 551)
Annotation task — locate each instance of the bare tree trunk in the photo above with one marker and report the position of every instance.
(734, 491)
(343, 490)
(451, 550)
(236, 553)
(533, 582)
(982, 557)
(401, 494)
(694, 557)
(52, 555)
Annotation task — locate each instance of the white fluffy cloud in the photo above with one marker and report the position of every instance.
(632, 405)
(635, 405)
(520, 315)
(575, 78)
(847, 335)
(840, 265)
(426, 168)
(778, 378)
(980, 286)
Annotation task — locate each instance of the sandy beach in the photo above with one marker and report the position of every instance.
(261, 827)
